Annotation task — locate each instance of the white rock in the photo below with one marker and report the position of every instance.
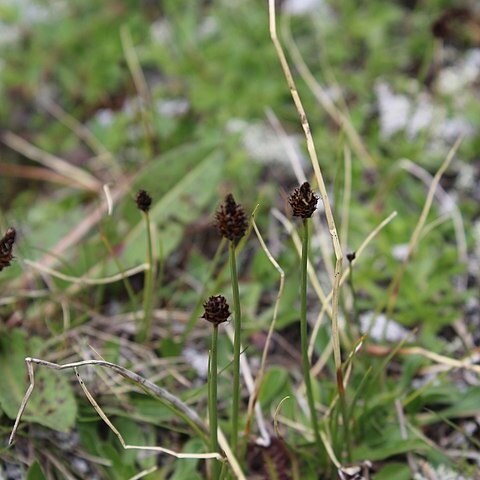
(380, 328)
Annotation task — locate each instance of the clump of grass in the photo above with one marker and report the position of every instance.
(232, 224)
(216, 312)
(144, 201)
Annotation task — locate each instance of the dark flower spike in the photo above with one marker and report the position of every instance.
(216, 310)
(6, 247)
(303, 201)
(231, 220)
(143, 200)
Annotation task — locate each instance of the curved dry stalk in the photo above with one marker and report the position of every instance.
(296, 163)
(358, 254)
(140, 85)
(146, 385)
(276, 413)
(108, 198)
(340, 118)
(79, 129)
(179, 407)
(246, 372)
(447, 203)
(126, 446)
(468, 363)
(88, 281)
(56, 164)
(144, 473)
(321, 186)
(252, 402)
(394, 286)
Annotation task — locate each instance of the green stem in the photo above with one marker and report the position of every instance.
(354, 320)
(212, 408)
(125, 280)
(236, 348)
(145, 331)
(344, 410)
(304, 336)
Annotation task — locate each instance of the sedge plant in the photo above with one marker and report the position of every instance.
(304, 202)
(232, 224)
(144, 201)
(216, 311)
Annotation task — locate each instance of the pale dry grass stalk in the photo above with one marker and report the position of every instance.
(79, 129)
(126, 446)
(177, 405)
(394, 286)
(40, 174)
(140, 85)
(247, 375)
(85, 280)
(340, 118)
(323, 191)
(252, 402)
(344, 277)
(296, 163)
(57, 164)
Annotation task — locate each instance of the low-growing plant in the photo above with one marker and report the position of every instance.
(385, 389)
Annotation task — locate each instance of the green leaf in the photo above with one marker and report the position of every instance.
(273, 383)
(35, 472)
(52, 403)
(394, 471)
(187, 468)
(388, 449)
(181, 204)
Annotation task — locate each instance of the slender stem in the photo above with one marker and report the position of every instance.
(212, 408)
(125, 280)
(354, 315)
(344, 410)
(304, 336)
(145, 331)
(236, 347)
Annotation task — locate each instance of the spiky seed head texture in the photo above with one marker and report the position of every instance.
(303, 201)
(216, 310)
(143, 200)
(231, 220)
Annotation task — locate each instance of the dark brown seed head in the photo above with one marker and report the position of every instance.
(216, 310)
(143, 200)
(351, 257)
(6, 247)
(303, 201)
(231, 220)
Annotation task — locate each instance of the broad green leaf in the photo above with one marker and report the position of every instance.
(187, 468)
(52, 403)
(394, 471)
(273, 383)
(389, 449)
(181, 204)
(35, 472)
